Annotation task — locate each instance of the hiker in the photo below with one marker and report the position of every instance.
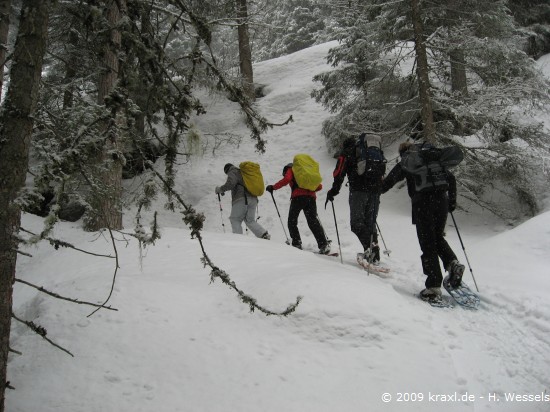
(364, 192)
(429, 214)
(243, 203)
(306, 200)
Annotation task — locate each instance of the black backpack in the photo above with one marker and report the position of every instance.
(371, 162)
(428, 164)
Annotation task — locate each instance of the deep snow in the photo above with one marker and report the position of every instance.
(181, 343)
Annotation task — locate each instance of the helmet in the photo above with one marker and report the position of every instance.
(286, 168)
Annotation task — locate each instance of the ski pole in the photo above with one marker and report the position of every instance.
(464, 249)
(386, 251)
(337, 234)
(221, 211)
(282, 224)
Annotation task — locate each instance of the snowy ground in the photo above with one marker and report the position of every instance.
(181, 343)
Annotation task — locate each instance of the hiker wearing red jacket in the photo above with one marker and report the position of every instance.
(306, 200)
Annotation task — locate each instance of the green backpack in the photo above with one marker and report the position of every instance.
(252, 177)
(306, 172)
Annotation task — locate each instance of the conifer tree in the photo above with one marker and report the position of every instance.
(105, 197)
(478, 77)
(245, 52)
(163, 65)
(5, 6)
(80, 133)
(292, 25)
(16, 121)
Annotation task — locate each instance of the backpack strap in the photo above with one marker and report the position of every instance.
(362, 147)
(244, 191)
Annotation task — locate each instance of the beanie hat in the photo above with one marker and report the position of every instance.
(286, 168)
(348, 147)
(403, 147)
(227, 167)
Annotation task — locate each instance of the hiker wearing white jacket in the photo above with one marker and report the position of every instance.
(243, 204)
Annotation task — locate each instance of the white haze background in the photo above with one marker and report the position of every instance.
(181, 343)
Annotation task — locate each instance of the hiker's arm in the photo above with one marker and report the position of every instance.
(452, 191)
(231, 182)
(396, 175)
(287, 178)
(339, 174)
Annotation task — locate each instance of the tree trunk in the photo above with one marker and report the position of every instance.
(15, 136)
(458, 72)
(456, 54)
(422, 71)
(245, 54)
(106, 200)
(5, 6)
(142, 98)
(70, 69)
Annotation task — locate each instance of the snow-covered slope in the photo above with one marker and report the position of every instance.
(181, 343)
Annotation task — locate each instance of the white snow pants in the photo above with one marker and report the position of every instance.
(241, 212)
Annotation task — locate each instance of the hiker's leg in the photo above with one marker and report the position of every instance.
(444, 251)
(427, 239)
(293, 213)
(250, 218)
(238, 213)
(310, 211)
(357, 205)
(371, 213)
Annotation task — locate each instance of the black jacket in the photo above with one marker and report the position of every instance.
(397, 174)
(346, 165)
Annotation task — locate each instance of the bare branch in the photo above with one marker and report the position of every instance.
(39, 330)
(15, 351)
(23, 253)
(56, 243)
(194, 220)
(55, 295)
(117, 266)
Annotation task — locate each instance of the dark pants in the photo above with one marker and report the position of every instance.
(309, 205)
(363, 207)
(430, 215)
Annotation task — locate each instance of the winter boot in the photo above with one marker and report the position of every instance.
(456, 270)
(375, 250)
(266, 236)
(325, 249)
(431, 294)
(368, 255)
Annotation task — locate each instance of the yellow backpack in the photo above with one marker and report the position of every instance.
(306, 172)
(252, 177)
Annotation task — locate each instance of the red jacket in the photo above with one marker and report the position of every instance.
(288, 179)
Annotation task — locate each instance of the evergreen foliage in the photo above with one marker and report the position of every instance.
(293, 25)
(483, 89)
(166, 56)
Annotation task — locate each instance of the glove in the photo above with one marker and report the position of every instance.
(330, 196)
(269, 188)
(218, 191)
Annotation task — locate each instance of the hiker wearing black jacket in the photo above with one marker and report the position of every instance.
(429, 214)
(364, 197)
